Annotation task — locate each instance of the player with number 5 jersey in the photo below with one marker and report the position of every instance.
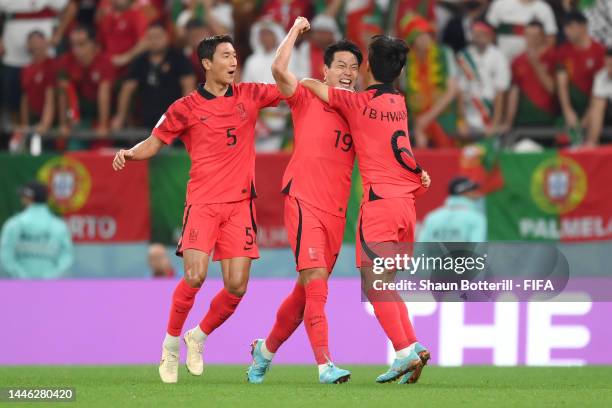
(392, 179)
(216, 124)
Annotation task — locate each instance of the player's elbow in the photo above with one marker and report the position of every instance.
(278, 72)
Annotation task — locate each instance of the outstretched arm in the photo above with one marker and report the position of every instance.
(317, 87)
(142, 151)
(285, 79)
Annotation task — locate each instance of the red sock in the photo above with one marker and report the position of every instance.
(182, 301)
(288, 318)
(315, 320)
(406, 324)
(388, 315)
(222, 306)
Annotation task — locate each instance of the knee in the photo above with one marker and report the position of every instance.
(236, 288)
(195, 281)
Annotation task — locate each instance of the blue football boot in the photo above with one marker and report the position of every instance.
(334, 375)
(400, 367)
(260, 365)
(412, 377)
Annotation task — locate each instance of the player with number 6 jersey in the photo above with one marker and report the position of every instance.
(392, 180)
(216, 124)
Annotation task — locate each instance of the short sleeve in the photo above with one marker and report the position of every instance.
(140, 23)
(548, 19)
(344, 101)
(493, 15)
(264, 95)
(298, 97)
(602, 86)
(173, 123)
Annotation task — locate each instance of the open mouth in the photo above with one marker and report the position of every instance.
(231, 72)
(345, 82)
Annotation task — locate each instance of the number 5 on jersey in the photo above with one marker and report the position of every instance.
(231, 137)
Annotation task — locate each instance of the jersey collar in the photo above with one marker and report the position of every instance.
(207, 95)
(383, 89)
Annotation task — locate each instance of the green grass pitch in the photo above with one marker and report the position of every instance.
(296, 386)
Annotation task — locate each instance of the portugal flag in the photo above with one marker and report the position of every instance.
(553, 196)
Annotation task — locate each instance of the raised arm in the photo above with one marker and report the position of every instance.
(317, 87)
(285, 79)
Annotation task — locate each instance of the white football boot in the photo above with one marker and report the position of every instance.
(168, 366)
(194, 361)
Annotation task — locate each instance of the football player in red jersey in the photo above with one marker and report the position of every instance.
(392, 179)
(216, 123)
(317, 185)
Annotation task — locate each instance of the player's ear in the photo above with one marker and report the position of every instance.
(325, 72)
(207, 64)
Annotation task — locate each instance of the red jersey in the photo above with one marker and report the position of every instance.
(219, 135)
(378, 120)
(119, 32)
(526, 79)
(321, 166)
(86, 79)
(582, 64)
(36, 78)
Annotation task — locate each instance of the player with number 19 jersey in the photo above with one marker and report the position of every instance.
(317, 181)
(218, 133)
(391, 176)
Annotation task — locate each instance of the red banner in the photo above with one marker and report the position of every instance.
(99, 204)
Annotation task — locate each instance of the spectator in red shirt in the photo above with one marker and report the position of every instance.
(121, 33)
(38, 80)
(86, 75)
(579, 60)
(532, 100)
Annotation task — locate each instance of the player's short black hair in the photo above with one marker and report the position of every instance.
(342, 45)
(387, 57)
(575, 16)
(536, 23)
(609, 52)
(207, 46)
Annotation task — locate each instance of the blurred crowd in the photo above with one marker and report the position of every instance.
(477, 68)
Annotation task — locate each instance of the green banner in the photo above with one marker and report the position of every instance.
(507, 207)
(168, 175)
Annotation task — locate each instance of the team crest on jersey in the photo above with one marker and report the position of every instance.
(558, 185)
(69, 183)
(242, 111)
